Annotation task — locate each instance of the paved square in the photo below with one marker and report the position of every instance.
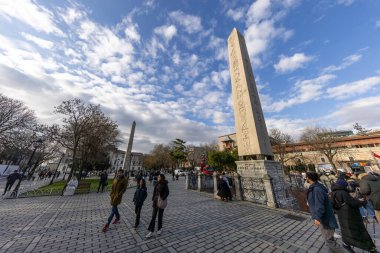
(193, 222)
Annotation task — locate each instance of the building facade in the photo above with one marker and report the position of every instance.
(353, 151)
(116, 159)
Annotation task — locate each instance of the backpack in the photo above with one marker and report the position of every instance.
(335, 203)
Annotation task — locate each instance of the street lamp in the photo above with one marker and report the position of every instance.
(36, 145)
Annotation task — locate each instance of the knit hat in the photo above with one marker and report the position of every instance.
(341, 183)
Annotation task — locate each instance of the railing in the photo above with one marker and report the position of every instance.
(192, 182)
(207, 183)
(253, 189)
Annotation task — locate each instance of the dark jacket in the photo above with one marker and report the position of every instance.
(119, 186)
(350, 220)
(140, 196)
(160, 189)
(370, 186)
(223, 189)
(320, 206)
(13, 177)
(103, 177)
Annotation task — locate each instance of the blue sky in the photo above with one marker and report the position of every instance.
(165, 63)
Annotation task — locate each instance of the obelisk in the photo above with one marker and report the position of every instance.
(128, 153)
(256, 162)
(251, 131)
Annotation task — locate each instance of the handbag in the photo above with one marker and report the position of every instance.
(162, 203)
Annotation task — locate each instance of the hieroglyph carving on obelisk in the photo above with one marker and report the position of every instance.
(251, 132)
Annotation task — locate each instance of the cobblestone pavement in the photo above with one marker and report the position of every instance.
(193, 222)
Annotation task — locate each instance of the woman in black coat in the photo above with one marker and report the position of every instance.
(223, 189)
(161, 190)
(351, 223)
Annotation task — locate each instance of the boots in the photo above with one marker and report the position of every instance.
(105, 228)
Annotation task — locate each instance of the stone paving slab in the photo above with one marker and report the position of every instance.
(193, 222)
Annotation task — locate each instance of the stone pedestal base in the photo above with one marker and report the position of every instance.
(272, 176)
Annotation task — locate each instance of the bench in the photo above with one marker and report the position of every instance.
(83, 187)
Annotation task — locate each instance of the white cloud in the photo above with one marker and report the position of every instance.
(291, 63)
(346, 2)
(25, 11)
(71, 15)
(303, 92)
(166, 31)
(191, 23)
(236, 14)
(353, 88)
(347, 61)
(46, 44)
(259, 10)
(377, 24)
(132, 33)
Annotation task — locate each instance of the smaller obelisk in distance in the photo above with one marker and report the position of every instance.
(128, 153)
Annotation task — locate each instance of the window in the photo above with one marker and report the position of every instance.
(351, 159)
(371, 145)
(323, 160)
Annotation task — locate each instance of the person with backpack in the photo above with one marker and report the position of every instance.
(159, 198)
(351, 223)
(322, 212)
(370, 187)
(138, 199)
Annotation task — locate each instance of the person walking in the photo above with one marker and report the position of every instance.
(102, 181)
(351, 224)
(159, 198)
(11, 179)
(223, 189)
(119, 186)
(370, 187)
(138, 199)
(321, 211)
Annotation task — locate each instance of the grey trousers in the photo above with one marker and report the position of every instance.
(330, 242)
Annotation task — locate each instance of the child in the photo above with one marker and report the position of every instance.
(138, 199)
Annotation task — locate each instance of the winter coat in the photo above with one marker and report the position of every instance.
(370, 186)
(320, 206)
(119, 186)
(103, 177)
(160, 189)
(223, 189)
(140, 196)
(350, 220)
(13, 177)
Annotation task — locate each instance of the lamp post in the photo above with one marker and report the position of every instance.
(36, 145)
(55, 172)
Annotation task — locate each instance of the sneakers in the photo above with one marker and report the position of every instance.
(159, 231)
(149, 235)
(116, 221)
(105, 228)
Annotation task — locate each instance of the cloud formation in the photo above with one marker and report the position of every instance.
(292, 63)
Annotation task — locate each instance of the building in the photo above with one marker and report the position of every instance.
(354, 151)
(116, 159)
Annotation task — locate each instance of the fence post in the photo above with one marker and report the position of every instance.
(199, 182)
(187, 182)
(215, 178)
(271, 199)
(238, 188)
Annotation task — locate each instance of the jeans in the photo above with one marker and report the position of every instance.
(114, 212)
(101, 184)
(330, 242)
(137, 212)
(153, 220)
(367, 210)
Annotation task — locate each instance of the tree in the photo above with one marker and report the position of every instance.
(323, 141)
(178, 151)
(84, 132)
(159, 157)
(360, 130)
(223, 160)
(281, 142)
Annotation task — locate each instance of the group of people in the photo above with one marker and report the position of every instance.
(224, 187)
(159, 201)
(346, 203)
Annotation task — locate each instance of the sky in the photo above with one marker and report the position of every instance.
(165, 65)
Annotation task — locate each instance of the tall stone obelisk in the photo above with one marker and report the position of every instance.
(254, 148)
(128, 153)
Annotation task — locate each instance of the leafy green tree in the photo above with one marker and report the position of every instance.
(224, 160)
(178, 151)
